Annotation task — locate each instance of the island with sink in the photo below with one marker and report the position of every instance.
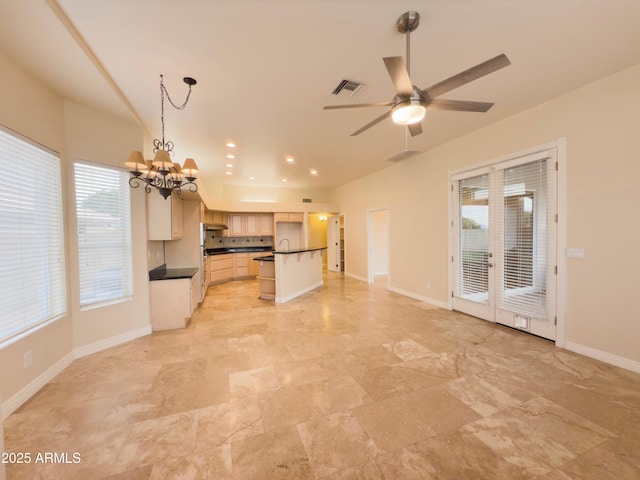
(287, 274)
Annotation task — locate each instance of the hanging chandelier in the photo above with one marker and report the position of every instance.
(161, 173)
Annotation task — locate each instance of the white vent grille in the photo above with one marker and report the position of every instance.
(348, 88)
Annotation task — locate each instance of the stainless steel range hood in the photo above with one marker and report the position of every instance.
(215, 226)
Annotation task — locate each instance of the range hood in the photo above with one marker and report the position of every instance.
(215, 226)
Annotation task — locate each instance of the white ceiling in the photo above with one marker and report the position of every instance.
(265, 68)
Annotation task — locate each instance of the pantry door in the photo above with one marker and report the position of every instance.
(504, 234)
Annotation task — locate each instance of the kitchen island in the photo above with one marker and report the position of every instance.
(295, 272)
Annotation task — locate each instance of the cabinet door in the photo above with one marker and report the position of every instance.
(266, 224)
(296, 217)
(236, 227)
(281, 217)
(251, 226)
(164, 217)
(177, 218)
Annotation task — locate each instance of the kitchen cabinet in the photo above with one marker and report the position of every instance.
(236, 225)
(265, 224)
(254, 265)
(172, 302)
(240, 265)
(164, 217)
(221, 268)
(250, 224)
(294, 217)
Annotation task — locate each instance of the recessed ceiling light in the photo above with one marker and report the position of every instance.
(252, 178)
(229, 173)
(231, 156)
(284, 179)
(290, 160)
(231, 145)
(229, 165)
(313, 171)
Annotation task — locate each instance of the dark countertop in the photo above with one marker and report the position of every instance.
(266, 258)
(164, 273)
(222, 251)
(301, 250)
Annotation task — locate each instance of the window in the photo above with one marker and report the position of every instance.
(104, 234)
(32, 273)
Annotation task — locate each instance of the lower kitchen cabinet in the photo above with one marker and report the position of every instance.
(172, 302)
(221, 268)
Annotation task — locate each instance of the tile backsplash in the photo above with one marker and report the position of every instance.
(215, 240)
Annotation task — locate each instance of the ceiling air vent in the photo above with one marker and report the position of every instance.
(348, 88)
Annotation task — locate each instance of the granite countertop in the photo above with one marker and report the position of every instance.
(224, 250)
(300, 250)
(266, 258)
(164, 273)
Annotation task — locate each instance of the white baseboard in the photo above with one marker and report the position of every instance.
(606, 357)
(299, 292)
(13, 403)
(431, 301)
(111, 342)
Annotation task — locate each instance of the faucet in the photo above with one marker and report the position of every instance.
(288, 245)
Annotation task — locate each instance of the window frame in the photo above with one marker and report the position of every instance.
(126, 263)
(45, 272)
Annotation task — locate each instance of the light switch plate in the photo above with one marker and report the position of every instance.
(575, 252)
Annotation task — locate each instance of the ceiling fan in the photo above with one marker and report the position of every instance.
(410, 103)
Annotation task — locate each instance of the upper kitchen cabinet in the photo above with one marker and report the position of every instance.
(164, 217)
(294, 217)
(250, 224)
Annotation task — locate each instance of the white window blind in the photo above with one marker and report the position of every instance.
(472, 225)
(104, 234)
(526, 212)
(32, 273)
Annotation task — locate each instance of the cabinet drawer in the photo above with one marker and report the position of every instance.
(221, 263)
(221, 275)
(242, 272)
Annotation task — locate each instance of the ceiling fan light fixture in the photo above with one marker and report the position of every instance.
(409, 112)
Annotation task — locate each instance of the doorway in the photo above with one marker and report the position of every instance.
(378, 245)
(504, 242)
(335, 243)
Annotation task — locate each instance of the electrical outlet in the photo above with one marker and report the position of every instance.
(27, 358)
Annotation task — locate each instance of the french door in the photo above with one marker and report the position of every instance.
(504, 234)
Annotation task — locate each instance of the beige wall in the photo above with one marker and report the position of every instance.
(318, 233)
(100, 138)
(600, 122)
(31, 109)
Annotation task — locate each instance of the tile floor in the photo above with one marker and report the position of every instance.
(348, 382)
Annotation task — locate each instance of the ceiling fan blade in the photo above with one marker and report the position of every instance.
(415, 128)
(399, 76)
(469, 75)
(459, 105)
(372, 123)
(358, 105)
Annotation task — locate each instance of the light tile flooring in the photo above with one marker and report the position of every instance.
(347, 382)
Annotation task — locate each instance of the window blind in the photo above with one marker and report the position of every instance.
(104, 234)
(32, 264)
(526, 212)
(472, 225)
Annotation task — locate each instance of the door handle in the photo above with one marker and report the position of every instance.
(490, 264)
